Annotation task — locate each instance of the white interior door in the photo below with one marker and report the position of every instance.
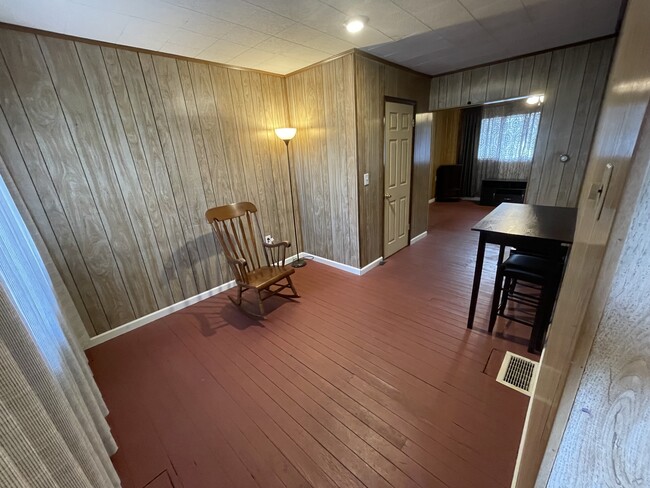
(398, 154)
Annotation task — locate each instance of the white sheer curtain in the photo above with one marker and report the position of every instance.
(53, 431)
(506, 143)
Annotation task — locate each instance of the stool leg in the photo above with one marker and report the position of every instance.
(496, 296)
(507, 288)
(543, 314)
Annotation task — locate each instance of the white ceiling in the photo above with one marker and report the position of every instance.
(280, 36)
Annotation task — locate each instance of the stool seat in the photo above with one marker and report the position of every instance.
(530, 264)
(544, 274)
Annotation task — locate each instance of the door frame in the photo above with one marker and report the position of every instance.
(414, 104)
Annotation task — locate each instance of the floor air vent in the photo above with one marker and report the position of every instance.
(518, 373)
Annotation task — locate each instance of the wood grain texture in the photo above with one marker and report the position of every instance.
(604, 442)
(374, 82)
(444, 145)
(622, 139)
(321, 107)
(572, 80)
(117, 155)
(364, 384)
(421, 172)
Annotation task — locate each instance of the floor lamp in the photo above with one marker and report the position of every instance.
(286, 134)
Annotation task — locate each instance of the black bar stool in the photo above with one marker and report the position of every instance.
(540, 275)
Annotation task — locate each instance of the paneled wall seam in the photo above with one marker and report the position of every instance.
(139, 179)
(19, 147)
(145, 158)
(149, 145)
(83, 169)
(117, 179)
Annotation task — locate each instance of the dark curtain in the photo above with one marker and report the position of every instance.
(470, 128)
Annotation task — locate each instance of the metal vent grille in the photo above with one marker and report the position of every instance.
(518, 373)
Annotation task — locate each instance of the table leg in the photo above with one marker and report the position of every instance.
(502, 249)
(478, 270)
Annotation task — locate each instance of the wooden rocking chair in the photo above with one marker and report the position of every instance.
(233, 226)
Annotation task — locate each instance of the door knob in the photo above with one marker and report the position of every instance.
(388, 196)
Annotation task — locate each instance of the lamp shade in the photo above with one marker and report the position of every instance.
(286, 133)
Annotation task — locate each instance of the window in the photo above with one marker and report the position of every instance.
(508, 138)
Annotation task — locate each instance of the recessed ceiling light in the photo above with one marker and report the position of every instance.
(535, 100)
(355, 24)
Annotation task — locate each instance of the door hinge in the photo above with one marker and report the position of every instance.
(383, 121)
(413, 122)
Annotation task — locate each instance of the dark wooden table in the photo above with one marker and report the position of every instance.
(547, 230)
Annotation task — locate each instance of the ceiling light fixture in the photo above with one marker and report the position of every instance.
(535, 100)
(355, 24)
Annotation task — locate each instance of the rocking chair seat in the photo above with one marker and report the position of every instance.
(233, 226)
(263, 277)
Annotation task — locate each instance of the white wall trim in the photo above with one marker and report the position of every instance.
(158, 314)
(370, 266)
(134, 324)
(345, 267)
(419, 237)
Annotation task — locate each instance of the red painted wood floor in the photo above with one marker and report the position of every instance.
(367, 381)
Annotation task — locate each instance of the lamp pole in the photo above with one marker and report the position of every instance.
(286, 135)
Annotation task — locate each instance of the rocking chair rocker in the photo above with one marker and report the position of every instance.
(233, 226)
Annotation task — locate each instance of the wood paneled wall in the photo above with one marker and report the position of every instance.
(421, 173)
(117, 155)
(573, 82)
(374, 81)
(321, 107)
(444, 149)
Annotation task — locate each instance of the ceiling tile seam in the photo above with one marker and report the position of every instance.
(412, 16)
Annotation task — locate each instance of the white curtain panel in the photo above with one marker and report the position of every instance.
(506, 143)
(53, 431)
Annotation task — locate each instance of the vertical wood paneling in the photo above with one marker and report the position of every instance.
(478, 88)
(19, 146)
(137, 116)
(421, 169)
(573, 82)
(100, 173)
(454, 90)
(321, 106)
(497, 77)
(514, 74)
(50, 128)
(112, 129)
(118, 154)
(594, 100)
(545, 124)
(374, 82)
(444, 150)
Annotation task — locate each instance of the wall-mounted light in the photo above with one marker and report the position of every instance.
(356, 24)
(535, 100)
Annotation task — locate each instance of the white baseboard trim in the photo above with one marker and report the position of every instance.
(134, 324)
(158, 314)
(419, 237)
(432, 200)
(345, 267)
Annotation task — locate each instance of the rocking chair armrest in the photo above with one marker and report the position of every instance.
(281, 251)
(240, 265)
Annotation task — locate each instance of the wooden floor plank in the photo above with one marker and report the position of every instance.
(367, 380)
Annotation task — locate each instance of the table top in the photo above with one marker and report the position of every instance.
(537, 221)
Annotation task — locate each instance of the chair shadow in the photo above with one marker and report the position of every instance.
(218, 312)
